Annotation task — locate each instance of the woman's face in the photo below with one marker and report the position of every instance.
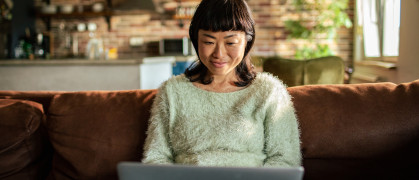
(221, 51)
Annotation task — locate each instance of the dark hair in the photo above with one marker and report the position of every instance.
(223, 15)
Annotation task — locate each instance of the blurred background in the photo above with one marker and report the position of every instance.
(75, 45)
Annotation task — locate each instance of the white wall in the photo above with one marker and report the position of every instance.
(408, 62)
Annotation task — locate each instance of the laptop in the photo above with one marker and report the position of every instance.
(139, 171)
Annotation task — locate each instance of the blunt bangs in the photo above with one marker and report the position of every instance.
(223, 15)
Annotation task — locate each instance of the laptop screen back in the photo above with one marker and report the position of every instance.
(138, 171)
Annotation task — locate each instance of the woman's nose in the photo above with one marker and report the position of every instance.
(218, 51)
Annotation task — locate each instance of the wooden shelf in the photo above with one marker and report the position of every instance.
(182, 17)
(107, 14)
(184, 9)
(47, 17)
(75, 15)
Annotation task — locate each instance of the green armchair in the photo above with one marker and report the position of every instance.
(324, 70)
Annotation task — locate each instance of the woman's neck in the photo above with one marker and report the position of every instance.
(220, 83)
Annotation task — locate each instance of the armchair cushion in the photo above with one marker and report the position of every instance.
(324, 70)
(291, 72)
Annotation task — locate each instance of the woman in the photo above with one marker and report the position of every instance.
(221, 113)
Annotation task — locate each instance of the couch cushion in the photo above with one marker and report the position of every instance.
(373, 125)
(21, 143)
(92, 131)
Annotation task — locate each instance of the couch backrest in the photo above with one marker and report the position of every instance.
(354, 131)
(42, 97)
(92, 131)
(346, 128)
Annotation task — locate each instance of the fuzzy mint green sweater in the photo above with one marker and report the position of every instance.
(252, 127)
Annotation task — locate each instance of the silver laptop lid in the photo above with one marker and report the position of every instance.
(138, 171)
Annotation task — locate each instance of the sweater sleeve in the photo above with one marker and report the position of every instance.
(282, 135)
(157, 148)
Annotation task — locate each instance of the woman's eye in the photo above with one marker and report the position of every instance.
(208, 43)
(230, 44)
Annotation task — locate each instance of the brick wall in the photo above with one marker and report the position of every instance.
(271, 40)
(271, 37)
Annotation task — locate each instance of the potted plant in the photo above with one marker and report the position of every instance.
(316, 25)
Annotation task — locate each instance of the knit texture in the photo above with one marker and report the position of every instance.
(252, 127)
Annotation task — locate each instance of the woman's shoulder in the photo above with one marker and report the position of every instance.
(177, 79)
(269, 86)
(268, 81)
(175, 82)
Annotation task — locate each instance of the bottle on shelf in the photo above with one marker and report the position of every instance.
(24, 50)
(94, 49)
(39, 49)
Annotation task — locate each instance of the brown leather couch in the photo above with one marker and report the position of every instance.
(356, 131)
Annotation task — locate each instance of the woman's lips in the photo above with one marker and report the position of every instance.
(219, 64)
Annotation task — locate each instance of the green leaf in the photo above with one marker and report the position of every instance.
(334, 11)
